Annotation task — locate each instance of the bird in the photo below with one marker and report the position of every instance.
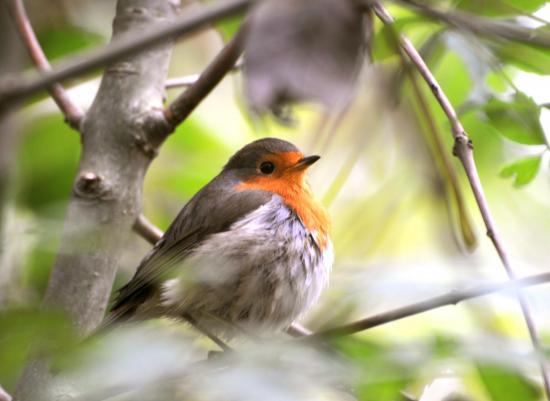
(251, 250)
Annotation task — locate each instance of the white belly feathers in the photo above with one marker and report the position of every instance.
(263, 273)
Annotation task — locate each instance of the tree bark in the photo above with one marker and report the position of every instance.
(117, 147)
(11, 52)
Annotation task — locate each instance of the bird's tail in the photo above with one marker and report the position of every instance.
(116, 317)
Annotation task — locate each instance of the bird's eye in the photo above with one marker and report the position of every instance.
(267, 167)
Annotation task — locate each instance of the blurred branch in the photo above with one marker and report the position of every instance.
(224, 62)
(189, 80)
(463, 149)
(18, 87)
(451, 298)
(482, 26)
(73, 114)
(147, 230)
(446, 167)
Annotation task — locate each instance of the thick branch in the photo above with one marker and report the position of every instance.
(224, 62)
(463, 149)
(17, 88)
(107, 190)
(451, 298)
(73, 114)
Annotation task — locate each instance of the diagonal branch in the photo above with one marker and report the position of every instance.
(72, 112)
(224, 62)
(189, 80)
(451, 298)
(18, 87)
(463, 149)
(483, 26)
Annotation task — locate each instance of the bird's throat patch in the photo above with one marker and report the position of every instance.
(296, 195)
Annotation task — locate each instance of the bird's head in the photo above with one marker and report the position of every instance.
(277, 166)
(270, 163)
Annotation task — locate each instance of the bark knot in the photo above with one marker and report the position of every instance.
(462, 143)
(153, 128)
(90, 185)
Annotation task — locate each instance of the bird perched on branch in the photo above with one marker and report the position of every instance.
(250, 250)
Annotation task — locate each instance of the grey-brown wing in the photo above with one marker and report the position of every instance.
(213, 209)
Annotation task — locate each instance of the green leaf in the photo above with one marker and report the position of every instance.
(526, 57)
(383, 373)
(229, 26)
(505, 384)
(182, 168)
(48, 160)
(523, 171)
(455, 79)
(517, 120)
(384, 43)
(500, 7)
(58, 41)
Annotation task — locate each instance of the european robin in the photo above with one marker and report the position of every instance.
(250, 249)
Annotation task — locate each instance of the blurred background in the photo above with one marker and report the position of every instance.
(403, 231)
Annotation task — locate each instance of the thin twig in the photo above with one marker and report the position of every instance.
(72, 112)
(181, 82)
(147, 230)
(199, 327)
(224, 62)
(18, 87)
(463, 149)
(188, 80)
(451, 298)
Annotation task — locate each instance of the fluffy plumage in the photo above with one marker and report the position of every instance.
(237, 255)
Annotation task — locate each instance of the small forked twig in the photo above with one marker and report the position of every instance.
(463, 149)
(224, 62)
(450, 298)
(72, 112)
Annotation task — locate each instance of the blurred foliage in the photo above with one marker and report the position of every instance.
(394, 226)
(505, 384)
(30, 333)
(60, 40)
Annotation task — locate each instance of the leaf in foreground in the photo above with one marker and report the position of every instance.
(523, 171)
(517, 120)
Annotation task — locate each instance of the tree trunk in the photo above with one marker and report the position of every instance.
(11, 52)
(117, 147)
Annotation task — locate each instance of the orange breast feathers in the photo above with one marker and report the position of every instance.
(289, 183)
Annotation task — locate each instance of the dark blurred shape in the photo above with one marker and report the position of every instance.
(303, 50)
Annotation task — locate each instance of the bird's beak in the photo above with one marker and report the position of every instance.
(305, 162)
